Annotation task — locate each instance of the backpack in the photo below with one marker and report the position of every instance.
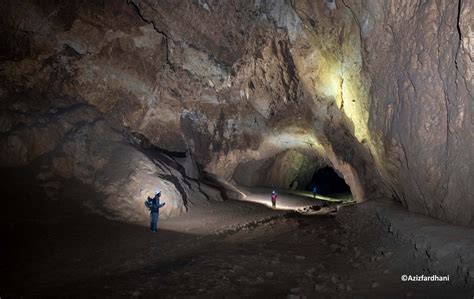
(148, 204)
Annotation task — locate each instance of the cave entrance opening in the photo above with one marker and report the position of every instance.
(328, 182)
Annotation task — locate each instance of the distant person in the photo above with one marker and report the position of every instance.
(315, 191)
(153, 204)
(274, 198)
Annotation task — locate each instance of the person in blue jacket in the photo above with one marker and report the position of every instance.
(315, 191)
(154, 205)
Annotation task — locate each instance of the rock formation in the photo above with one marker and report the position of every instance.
(129, 95)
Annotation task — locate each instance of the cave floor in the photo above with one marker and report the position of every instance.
(291, 199)
(240, 249)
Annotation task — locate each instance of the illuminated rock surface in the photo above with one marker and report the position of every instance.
(382, 92)
(103, 102)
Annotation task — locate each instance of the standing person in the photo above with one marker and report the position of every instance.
(315, 191)
(274, 198)
(153, 204)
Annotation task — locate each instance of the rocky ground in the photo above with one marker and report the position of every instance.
(229, 248)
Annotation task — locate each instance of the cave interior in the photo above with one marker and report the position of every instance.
(216, 104)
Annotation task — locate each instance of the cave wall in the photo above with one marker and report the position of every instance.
(357, 83)
(287, 170)
(400, 73)
(158, 74)
(419, 58)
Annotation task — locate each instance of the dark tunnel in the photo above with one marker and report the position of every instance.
(327, 181)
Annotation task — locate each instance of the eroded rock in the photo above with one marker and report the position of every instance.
(381, 92)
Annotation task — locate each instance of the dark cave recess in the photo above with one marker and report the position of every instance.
(327, 181)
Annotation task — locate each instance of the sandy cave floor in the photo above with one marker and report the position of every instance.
(227, 248)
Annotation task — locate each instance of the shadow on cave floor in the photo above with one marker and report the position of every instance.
(58, 248)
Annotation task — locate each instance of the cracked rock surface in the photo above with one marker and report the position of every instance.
(127, 95)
